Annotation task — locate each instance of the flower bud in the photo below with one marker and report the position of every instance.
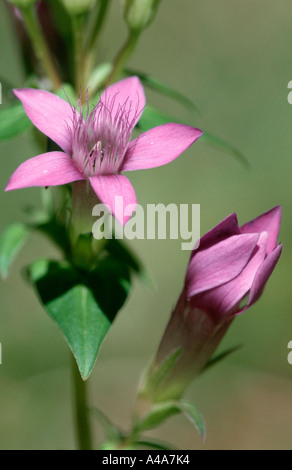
(77, 7)
(138, 14)
(230, 263)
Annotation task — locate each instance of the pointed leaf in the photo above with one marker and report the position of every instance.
(13, 238)
(83, 323)
(153, 444)
(72, 306)
(194, 416)
(162, 88)
(215, 359)
(83, 304)
(112, 433)
(158, 413)
(163, 410)
(13, 121)
(152, 117)
(224, 146)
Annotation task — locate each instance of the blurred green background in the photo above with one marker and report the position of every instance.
(233, 59)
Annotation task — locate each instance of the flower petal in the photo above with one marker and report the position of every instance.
(47, 169)
(159, 146)
(49, 113)
(220, 263)
(225, 298)
(269, 222)
(263, 274)
(127, 93)
(116, 192)
(225, 229)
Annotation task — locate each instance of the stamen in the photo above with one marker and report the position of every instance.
(101, 138)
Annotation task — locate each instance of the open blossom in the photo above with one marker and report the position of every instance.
(97, 147)
(231, 263)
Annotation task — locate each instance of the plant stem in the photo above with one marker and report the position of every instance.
(98, 19)
(83, 201)
(98, 16)
(78, 38)
(40, 46)
(83, 428)
(123, 55)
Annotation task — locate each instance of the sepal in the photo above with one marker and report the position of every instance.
(159, 412)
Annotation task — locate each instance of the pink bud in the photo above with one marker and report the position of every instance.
(231, 263)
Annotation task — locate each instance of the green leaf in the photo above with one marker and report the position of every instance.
(194, 416)
(153, 444)
(164, 89)
(121, 252)
(152, 117)
(224, 146)
(12, 240)
(161, 411)
(13, 121)
(215, 359)
(158, 413)
(83, 304)
(112, 433)
(83, 323)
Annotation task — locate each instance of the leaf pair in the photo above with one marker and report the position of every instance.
(115, 438)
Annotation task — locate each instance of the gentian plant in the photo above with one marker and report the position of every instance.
(92, 124)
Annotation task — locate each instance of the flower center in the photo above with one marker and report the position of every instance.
(101, 137)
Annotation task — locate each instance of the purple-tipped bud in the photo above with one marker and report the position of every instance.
(231, 263)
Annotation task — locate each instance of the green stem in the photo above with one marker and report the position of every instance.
(98, 17)
(83, 201)
(83, 428)
(40, 46)
(123, 55)
(78, 38)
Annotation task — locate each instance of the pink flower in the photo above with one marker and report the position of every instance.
(98, 147)
(231, 263)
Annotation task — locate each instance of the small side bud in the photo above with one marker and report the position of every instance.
(139, 14)
(77, 7)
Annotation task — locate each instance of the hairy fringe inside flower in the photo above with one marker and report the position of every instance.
(100, 138)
